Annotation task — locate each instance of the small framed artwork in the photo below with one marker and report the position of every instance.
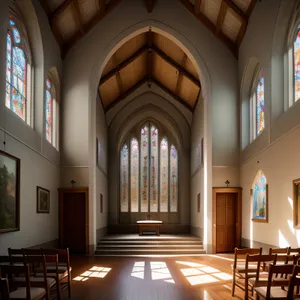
(296, 203)
(202, 152)
(43, 200)
(101, 203)
(198, 203)
(98, 151)
(9, 193)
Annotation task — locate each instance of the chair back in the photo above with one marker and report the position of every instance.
(32, 251)
(294, 251)
(11, 271)
(285, 259)
(16, 255)
(63, 255)
(279, 251)
(240, 254)
(294, 282)
(4, 289)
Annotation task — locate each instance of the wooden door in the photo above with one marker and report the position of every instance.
(73, 221)
(225, 222)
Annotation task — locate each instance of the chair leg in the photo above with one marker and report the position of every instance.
(233, 284)
(69, 286)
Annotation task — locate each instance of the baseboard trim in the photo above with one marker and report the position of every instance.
(47, 245)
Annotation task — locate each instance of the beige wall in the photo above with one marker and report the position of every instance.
(39, 160)
(275, 150)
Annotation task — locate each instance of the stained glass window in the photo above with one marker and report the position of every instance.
(259, 197)
(148, 173)
(17, 73)
(260, 106)
(49, 112)
(134, 175)
(144, 168)
(164, 172)
(297, 64)
(154, 170)
(173, 179)
(124, 179)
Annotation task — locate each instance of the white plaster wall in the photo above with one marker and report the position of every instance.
(275, 150)
(39, 160)
(217, 70)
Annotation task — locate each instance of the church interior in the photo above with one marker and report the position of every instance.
(148, 149)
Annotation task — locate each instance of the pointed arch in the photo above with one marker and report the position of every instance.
(259, 198)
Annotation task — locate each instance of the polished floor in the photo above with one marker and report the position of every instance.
(122, 278)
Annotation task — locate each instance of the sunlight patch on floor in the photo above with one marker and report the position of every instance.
(138, 270)
(94, 272)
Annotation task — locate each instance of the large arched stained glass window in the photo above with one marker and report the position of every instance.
(297, 64)
(150, 184)
(18, 73)
(124, 179)
(51, 114)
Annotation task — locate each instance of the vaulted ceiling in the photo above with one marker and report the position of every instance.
(71, 20)
(153, 59)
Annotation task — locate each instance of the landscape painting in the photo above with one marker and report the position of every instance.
(9, 193)
(43, 200)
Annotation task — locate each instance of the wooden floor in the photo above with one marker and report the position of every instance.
(122, 278)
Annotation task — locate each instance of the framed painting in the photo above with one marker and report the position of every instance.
(259, 193)
(296, 203)
(43, 200)
(9, 193)
(98, 150)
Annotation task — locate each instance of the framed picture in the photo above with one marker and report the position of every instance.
(9, 193)
(198, 203)
(101, 203)
(43, 200)
(296, 203)
(259, 195)
(98, 151)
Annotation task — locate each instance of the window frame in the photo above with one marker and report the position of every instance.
(293, 99)
(23, 45)
(135, 132)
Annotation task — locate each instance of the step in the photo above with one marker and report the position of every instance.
(149, 251)
(147, 246)
(139, 242)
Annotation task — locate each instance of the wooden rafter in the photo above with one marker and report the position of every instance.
(157, 51)
(243, 16)
(101, 6)
(197, 6)
(150, 55)
(150, 5)
(179, 78)
(77, 15)
(211, 27)
(221, 16)
(117, 74)
(60, 9)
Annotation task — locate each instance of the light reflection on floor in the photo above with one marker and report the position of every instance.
(201, 274)
(138, 270)
(94, 272)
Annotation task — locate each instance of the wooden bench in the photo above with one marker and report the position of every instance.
(148, 223)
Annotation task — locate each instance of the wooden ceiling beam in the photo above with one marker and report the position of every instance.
(77, 16)
(126, 93)
(150, 54)
(243, 16)
(102, 6)
(179, 78)
(95, 20)
(150, 5)
(123, 64)
(176, 97)
(197, 7)
(221, 16)
(118, 76)
(177, 66)
(211, 27)
(60, 9)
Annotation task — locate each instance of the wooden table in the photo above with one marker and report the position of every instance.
(148, 223)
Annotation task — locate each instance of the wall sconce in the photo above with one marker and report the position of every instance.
(227, 182)
(73, 182)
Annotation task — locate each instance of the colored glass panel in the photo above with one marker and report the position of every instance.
(49, 116)
(144, 168)
(124, 179)
(173, 179)
(259, 204)
(164, 172)
(134, 175)
(154, 170)
(48, 84)
(297, 65)
(260, 106)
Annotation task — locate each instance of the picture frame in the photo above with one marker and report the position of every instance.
(296, 203)
(42, 200)
(101, 203)
(198, 203)
(259, 199)
(9, 192)
(98, 151)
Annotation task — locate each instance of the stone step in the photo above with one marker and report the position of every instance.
(149, 247)
(149, 251)
(102, 242)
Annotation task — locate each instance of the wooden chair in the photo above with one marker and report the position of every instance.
(277, 280)
(16, 256)
(293, 251)
(279, 251)
(21, 289)
(294, 284)
(260, 278)
(64, 267)
(239, 266)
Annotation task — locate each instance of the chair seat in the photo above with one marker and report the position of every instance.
(20, 293)
(50, 281)
(242, 268)
(262, 281)
(275, 293)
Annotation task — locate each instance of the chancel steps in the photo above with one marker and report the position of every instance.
(149, 245)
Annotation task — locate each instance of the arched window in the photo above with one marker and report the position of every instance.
(259, 193)
(257, 103)
(296, 53)
(18, 71)
(149, 172)
(51, 113)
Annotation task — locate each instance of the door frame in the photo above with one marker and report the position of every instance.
(238, 224)
(61, 192)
